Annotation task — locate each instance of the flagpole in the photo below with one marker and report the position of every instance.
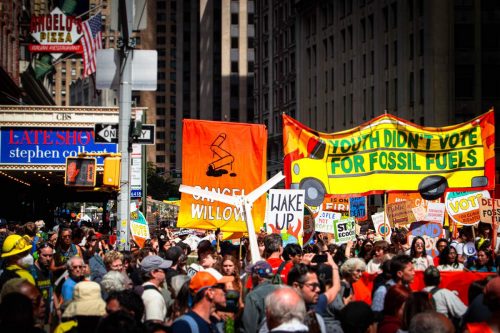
(91, 9)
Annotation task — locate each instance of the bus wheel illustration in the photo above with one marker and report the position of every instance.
(315, 191)
(432, 187)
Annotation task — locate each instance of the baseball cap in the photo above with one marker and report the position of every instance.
(206, 279)
(3, 222)
(261, 268)
(150, 263)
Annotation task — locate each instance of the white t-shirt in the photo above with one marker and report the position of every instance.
(421, 263)
(154, 304)
(447, 302)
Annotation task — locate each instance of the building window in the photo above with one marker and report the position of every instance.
(421, 43)
(364, 66)
(422, 85)
(332, 49)
(343, 40)
(325, 48)
(412, 48)
(386, 56)
(412, 89)
(332, 75)
(234, 42)
(385, 14)
(395, 53)
(394, 10)
(396, 95)
(351, 42)
(363, 31)
(234, 67)
(234, 18)
(386, 96)
(371, 26)
(343, 73)
(351, 70)
(372, 62)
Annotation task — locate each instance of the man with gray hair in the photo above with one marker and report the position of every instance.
(75, 266)
(431, 321)
(285, 311)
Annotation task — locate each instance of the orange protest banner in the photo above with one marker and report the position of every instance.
(226, 158)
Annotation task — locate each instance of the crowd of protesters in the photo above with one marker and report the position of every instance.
(71, 278)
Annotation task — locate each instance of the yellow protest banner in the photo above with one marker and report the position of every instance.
(388, 154)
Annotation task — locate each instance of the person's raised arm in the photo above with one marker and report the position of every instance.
(334, 290)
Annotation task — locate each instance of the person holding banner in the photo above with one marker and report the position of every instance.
(420, 259)
(484, 261)
(448, 260)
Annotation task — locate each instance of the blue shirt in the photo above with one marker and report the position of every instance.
(320, 307)
(182, 325)
(68, 288)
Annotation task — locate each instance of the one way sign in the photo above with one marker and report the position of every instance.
(108, 133)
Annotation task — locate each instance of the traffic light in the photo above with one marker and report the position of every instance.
(80, 171)
(111, 176)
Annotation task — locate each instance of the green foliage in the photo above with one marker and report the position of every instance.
(160, 186)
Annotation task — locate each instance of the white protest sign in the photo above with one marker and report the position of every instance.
(419, 213)
(324, 222)
(345, 230)
(382, 227)
(435, 212)
(285, 215)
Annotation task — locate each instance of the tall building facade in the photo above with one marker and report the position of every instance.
(434, 63)
(17, 75)
(205, 69)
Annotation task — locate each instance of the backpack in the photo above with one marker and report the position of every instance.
(277, 277)
(455, 321)
(139, 290)
(193, 326)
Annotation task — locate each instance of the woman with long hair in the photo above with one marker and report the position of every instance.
(420, 259)
(393, 308)
(366, 250)
(416, 303)
(231, 313)
(448, 260)
(484, 262)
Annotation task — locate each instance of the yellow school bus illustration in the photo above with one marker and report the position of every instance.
(389, 154)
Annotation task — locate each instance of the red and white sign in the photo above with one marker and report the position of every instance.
(56, 33)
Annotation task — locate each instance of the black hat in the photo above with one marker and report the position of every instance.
(205, 246)
(3, 222)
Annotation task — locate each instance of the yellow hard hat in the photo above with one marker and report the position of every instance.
(15, 244)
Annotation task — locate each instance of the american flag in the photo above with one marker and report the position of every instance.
(91, 42)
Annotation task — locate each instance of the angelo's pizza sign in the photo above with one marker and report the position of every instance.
(390, 154)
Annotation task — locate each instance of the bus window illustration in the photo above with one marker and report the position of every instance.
(307, 174)
(223, 159)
